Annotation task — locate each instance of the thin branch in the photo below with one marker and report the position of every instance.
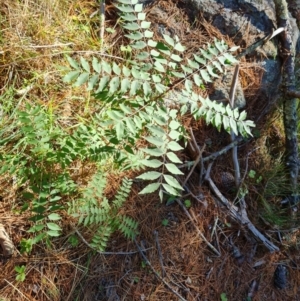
(239, 214)
(197, 198)
(197, 229)
(236, 165)
(245, 174)
(50, 46)
(261, 42)
(102, 22)
(163, 271)
(293, 94)
(156, 273)
(233, 86)
(15, 288)
(214, 155)
(199, 156)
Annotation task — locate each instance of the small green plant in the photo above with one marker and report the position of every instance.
(165, 222)
(26, 245)
(253, 175)
(20, 273)
(73, 240)
(188, 204)
(95, 210)
(223, 297)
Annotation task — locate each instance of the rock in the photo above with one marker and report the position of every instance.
(271, 78)
(280, 277)
(222, 88)
(233, 17)
(5, 242)
(246, 22)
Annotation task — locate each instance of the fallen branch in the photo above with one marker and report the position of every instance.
(215, 155)
(239, 214)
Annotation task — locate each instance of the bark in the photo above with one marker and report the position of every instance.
(290, 103)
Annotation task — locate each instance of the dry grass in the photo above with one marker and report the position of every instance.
(35, 36)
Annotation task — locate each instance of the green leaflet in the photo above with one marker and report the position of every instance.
(134, 36)
(54, 217)
(72, 62)
(92, 82)
(125, 8)
(173, 157)
(145, 24)
(85, 64)
(132, 26)
(71, 76)
(170, 189)
(155, 141)
(141, 16)
(150, 188)
(114, 85)
(150, 175)
(156, 152)
(169, 40)
(125, 85)
(53, 226)
(138, 8)
(82, 79)
(128, 2)
(172, 182)
(173, 169)
(154, 163)
(174, 146)
(116, 69)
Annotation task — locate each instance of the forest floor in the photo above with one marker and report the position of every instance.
(34, 39)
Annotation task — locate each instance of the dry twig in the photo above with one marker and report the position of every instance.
(197, 229)
(156, 273)
(214, 155)
(102, 20)
(163, 271)
(199, 156)
(239, 214)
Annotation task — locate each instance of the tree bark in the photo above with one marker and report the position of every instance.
(290, 102)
